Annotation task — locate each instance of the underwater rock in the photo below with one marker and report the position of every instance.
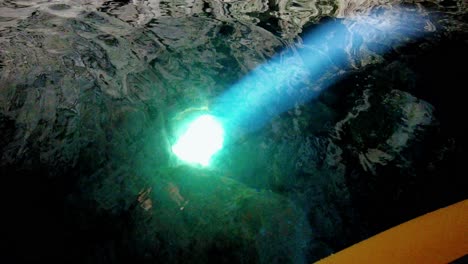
(378, 139)
(185, 214)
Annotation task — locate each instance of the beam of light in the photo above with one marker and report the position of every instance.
(203, 138)
(298, 74)
(293, 77)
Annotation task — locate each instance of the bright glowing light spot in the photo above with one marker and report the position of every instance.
(203, 138)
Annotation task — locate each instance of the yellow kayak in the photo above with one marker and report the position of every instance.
(437, 237)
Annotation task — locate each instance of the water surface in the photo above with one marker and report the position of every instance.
(92, 94)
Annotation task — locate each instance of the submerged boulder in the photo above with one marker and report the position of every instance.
(187, 214)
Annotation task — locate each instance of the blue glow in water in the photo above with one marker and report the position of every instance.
(293, 77)
(300, 73)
